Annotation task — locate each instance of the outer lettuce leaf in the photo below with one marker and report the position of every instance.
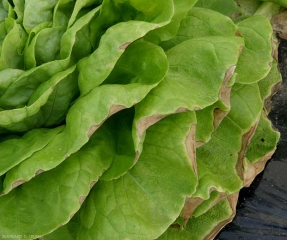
(257, 34)
(219, 162)
(263, 144)
(261, 148)
(166, 156)
(196, 74)
(56, 194)
(14, 151)
(202, 208)
(201, 22)
(82, 120)
(269, 85)
(207, 225)
(226, 7)
(68, 231)
(209, 119)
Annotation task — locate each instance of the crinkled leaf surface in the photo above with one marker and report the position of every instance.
(56, 194)
(269, 85)
(207, 225)
(196, 73)
(261, 148)
(23, 119)
(18, 93)
(201, 22)
(202, 208)
(257, 34)
(226, 7)
(132, 115)
(218, 161)
(13, 151)
(116, 207)
(12, 46)
(181, 8)
(114, 41)
(36, 12)
(263, 142)
(82, 120)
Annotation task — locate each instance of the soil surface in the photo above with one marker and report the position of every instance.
(262, 208)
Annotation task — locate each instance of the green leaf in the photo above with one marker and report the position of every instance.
(3, 13)
(36, 12)
(256, 59)
(76, 42)
(12, 46)
(14, 151)
(82, 122)
(43, 100)
(181, 8)
(135, 65)
(207, 225)
(210, 117)
(202, 208)
(201, 22)
(228, 7)
(138, 205)
(62, 12)
(249, 7)
(196, 74)
(47, 45)
(260, 150)
(263, 142)
(29, 51)
(280, 2)
(269, 85)
(67, 231)
(56, 194)
(80, 5)
(114, 42)
(220, 161)
(123, 153)
(208, 120)
(7, 77)
(18, 93)
(19, 10)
